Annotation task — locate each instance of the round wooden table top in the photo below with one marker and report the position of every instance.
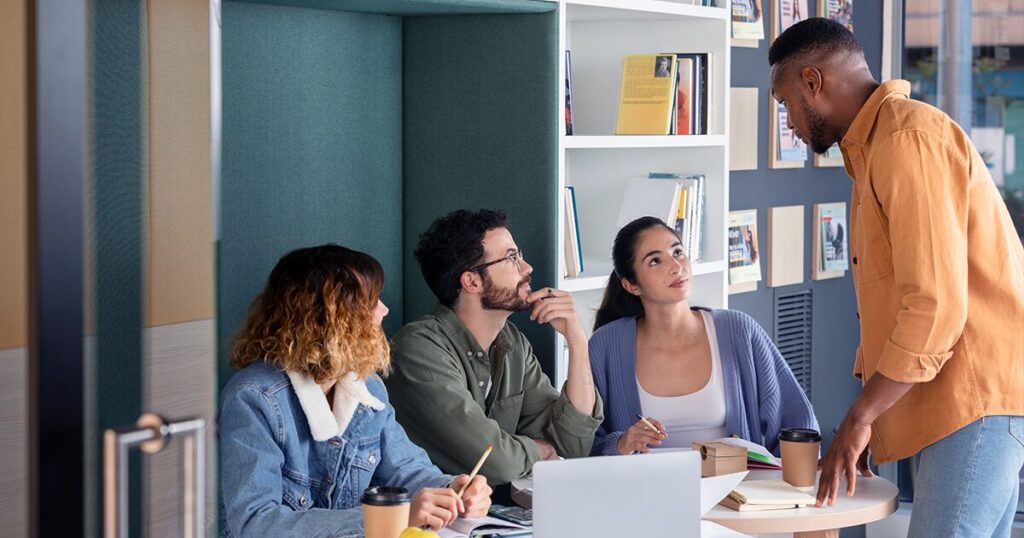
(874, 499)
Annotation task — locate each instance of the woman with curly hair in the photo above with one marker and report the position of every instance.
(305, 426)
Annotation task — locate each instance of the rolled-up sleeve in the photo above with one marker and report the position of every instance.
(921, 185)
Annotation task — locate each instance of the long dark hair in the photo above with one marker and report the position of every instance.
(618, 302)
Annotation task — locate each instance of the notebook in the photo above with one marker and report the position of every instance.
(756, 495)
(470, 527)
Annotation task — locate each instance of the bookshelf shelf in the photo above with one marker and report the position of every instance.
(597, 278)
(599, 165)
(613, 142)
(627, 10)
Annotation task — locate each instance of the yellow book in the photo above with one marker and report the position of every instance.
(646, 94)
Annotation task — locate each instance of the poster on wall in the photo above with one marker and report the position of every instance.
(788, 13)
(840, 11)
(791, 148)
(747, 21)
(744, 262)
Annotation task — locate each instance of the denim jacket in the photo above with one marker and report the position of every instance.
(277, 480)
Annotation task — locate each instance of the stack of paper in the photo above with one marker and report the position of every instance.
(758, 456)
(755, 495)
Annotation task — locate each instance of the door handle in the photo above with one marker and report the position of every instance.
(151, 434)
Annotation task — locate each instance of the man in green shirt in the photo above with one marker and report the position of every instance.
(464, 377)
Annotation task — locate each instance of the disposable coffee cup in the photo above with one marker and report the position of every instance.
(799, 456)
(385, 511)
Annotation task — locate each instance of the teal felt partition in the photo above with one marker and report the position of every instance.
(312, 141)
(480, 131)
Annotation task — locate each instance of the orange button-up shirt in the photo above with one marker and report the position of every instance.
(938, 270)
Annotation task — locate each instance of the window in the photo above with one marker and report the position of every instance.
(967, 58)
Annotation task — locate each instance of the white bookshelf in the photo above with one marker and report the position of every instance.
(599, 33)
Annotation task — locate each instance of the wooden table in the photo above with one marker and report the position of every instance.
(874, 499)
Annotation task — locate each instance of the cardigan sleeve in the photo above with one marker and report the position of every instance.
(606, 439)
(781, 401)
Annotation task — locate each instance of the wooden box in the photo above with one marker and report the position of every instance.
(719, 458)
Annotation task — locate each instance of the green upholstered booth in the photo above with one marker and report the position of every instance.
(359, 122)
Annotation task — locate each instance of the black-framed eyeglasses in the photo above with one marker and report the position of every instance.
(516, 257)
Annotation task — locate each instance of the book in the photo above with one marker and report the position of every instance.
(649, 197)
(689, 219)
(700, 71)
(770, 492)
(470, 527)
(791, 148)
(840, 11)
(744, 259)
(684, 116)
(730, 502)
(756, 454)
(572, 246)
(747, 20)
(790, 12)
(646, 94)
(568, 93)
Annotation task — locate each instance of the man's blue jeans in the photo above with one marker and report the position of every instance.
(968, 482)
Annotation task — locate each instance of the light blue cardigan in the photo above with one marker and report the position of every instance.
(761, 394)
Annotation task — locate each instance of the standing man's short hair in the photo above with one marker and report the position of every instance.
(812, 37)
(451, 246)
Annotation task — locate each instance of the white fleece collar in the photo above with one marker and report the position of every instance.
(349, 392)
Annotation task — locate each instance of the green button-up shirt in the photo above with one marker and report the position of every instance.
(439, 388)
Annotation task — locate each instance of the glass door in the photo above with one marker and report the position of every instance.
(109, 279)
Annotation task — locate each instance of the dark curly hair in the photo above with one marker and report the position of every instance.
(452, 245)
(315, 316)
(812, 36)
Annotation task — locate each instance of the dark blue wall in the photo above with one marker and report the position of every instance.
(835, 330)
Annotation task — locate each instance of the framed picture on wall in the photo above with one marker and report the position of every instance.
(786, 13)
(840, 11)
(785, 149)
(831, 158)
(830, 232)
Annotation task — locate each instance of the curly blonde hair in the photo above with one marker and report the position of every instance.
(315, 316)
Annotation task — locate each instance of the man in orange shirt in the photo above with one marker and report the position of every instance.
(939, 275)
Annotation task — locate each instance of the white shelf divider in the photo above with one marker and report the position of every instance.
(642, 141)
(613, 10)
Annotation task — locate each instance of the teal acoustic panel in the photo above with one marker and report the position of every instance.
(423, 7)
(480, 97)
(311, 147)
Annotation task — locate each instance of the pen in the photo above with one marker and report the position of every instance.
(649, 425)
(476, 469)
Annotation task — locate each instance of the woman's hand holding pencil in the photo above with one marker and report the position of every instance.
(473, 489)
(641, 436)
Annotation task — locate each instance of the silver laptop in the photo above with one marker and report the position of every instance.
(618, 496)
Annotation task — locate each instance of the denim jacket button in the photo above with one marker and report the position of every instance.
(302, 500)
(372, 458)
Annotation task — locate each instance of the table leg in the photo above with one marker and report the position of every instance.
(831, 533)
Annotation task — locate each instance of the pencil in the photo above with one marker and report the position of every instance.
(476, 469)
(649, 425)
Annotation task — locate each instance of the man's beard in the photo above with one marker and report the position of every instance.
(818, 137)
(508, 299)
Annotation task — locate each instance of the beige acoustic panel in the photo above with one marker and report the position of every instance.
(743, 129)
(774, 161)
(13, 177)
(785, 245)
(823, 161)
(180, 254)
(744, 287)
(746, 43)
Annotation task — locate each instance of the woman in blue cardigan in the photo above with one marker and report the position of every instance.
(696, 374)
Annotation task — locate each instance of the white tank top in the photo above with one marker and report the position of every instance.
(698, 416)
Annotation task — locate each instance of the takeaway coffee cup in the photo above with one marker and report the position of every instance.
(385, 511)
(799, 456)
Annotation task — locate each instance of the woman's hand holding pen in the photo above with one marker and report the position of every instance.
(476, 498)
(640, 436)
